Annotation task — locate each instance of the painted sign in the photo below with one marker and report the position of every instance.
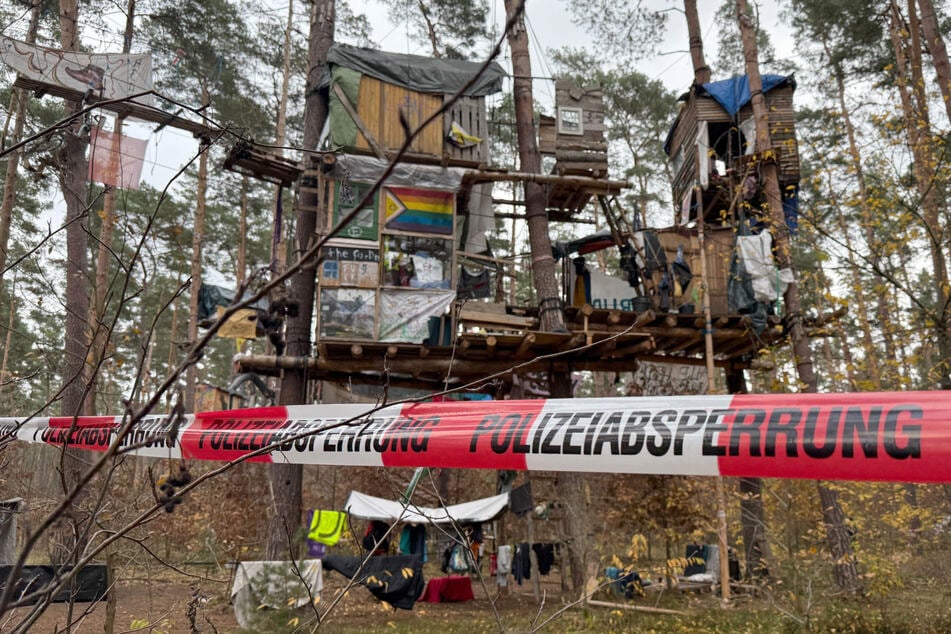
(106, 75)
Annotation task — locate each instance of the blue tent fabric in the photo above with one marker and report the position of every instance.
(734, 93)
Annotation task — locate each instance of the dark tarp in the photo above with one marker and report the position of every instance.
(582, 246)
(398, 580)
(734, 93)
(89, 585)
(415, 72)
(211, 296)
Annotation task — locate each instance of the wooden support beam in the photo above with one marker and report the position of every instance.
(490, 344)
(371, 141)
(605, 348)
(591, 185)
(626, 351)
(525, 346)
(262, 363)
(639, 608)
(731, 347)
(645, 318)
(687, 342)
(576, 340)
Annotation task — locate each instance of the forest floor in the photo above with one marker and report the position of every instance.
(165, 606)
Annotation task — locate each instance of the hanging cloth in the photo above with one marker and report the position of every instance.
(326, 527)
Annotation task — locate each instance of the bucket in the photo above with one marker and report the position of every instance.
(641, 304)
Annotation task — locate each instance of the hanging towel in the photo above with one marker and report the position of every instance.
(504, 560)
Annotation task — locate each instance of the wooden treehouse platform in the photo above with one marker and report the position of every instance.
(407, 296)
(597, 340)
(125, 108)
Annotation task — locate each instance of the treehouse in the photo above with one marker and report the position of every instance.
(712, 143)
(409, 293)
(376, 97)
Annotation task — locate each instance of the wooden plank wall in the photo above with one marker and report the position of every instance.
(782, 126)
(470, 113)
(782, 130)
(586, 152)
(719, 248)
(380, 105)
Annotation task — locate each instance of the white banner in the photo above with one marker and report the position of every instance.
(108, 75)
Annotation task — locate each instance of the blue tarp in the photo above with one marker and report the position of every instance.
(734, 93)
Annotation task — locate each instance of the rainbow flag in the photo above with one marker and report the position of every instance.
(418, 210)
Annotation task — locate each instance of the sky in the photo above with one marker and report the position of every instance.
(550, 27)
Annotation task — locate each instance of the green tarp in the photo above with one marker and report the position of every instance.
(343, 131)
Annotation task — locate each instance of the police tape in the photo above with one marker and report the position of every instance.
(886, 436)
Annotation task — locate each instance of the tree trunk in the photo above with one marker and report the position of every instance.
(241, 266)
(882, 307)
(550, 310)
(64, 542)
(577, 522)
(752, 511)
(286, 479)
(927, 181)
(939, 52)
(701, 72)
(918, 129)
(846, 575)
(173, 329)
(198, 237)
(278, 247)
(21, 97)
(97, 313)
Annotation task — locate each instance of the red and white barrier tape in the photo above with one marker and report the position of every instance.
(888, 436)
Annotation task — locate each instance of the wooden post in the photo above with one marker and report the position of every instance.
(711, 389)
(530, 527)
(287, 480)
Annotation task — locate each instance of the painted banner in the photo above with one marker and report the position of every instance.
(888, 436)
(418, 210)
(116, 161)
(659, 379)
(107, 75)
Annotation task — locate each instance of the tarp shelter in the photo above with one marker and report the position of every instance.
(375, 95)
(734, 93)
(415, 72)
(374, 508)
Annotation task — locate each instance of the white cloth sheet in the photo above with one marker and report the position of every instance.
(273, 584)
